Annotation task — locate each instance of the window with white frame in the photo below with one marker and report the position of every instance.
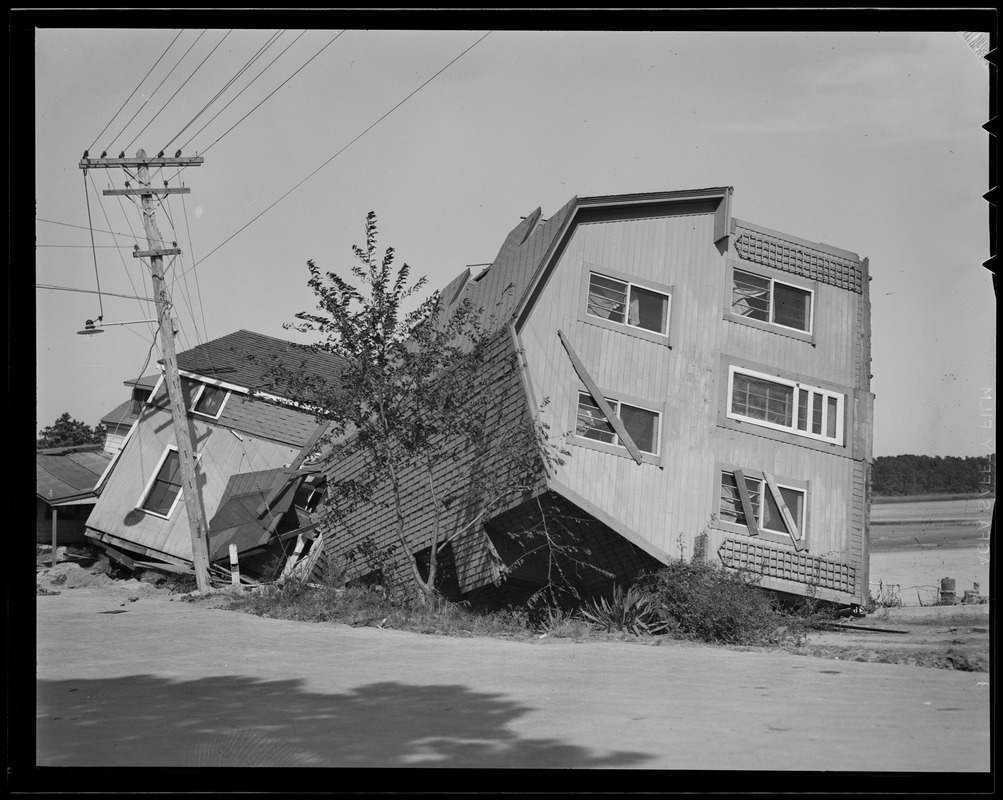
(764, 505)
(162, 492)
(785, 405)
(627, 303)
(209, 400)
(641, 424)
(768, 300)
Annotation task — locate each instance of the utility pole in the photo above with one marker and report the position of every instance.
(183, 432)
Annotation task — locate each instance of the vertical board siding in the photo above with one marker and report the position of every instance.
(659, 504)
(221, 455)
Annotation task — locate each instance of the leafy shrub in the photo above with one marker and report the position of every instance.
(635, 611)
(703, 600)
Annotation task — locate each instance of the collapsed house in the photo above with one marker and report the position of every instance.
(259, 487)
(711, 379)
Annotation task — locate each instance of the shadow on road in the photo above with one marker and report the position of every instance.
(144, 720)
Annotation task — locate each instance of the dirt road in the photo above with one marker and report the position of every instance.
(154, 682)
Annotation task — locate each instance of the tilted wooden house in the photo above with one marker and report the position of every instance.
(252, 458)
(711, 377)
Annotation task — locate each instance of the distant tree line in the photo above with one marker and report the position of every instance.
(69, 432)
(910, 475)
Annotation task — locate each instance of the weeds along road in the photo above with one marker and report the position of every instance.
(167, 683)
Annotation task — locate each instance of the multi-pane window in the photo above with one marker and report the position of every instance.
(641, 424)
(764, 506)
(628, 304)
(785, 405)
(210, 400)
(165, 487)
(767, 300)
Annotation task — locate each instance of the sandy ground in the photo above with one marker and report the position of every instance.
(147, 681)
(131, 675)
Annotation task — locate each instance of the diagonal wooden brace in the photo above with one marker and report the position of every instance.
(593, 390)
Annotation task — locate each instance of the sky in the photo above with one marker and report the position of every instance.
(871, 142)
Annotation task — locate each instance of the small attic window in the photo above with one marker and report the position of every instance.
(210, 401)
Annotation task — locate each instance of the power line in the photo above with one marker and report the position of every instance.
(342, 150)
(182, 86)
(147, 100)
(83, 228)
(97, 277)
(90, 291)
(147, 75)
(261, 50)
(251, 83)
(297, 72)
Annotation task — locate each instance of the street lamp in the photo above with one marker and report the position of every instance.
(96, 326)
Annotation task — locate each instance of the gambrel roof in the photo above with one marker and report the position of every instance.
(505, 287)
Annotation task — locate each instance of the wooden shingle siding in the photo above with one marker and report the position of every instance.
(376, 520)
(502, 287)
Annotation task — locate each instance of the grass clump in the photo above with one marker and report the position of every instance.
(371, 606)
(688, 600)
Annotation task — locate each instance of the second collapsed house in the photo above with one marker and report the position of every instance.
(711, 378)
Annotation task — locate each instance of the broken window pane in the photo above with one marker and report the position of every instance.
(731, 503)
(592, 423)
(758, 297)
(607, 297)
(751, 296)
(623, 302)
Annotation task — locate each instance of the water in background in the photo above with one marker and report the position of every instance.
(915, 544)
